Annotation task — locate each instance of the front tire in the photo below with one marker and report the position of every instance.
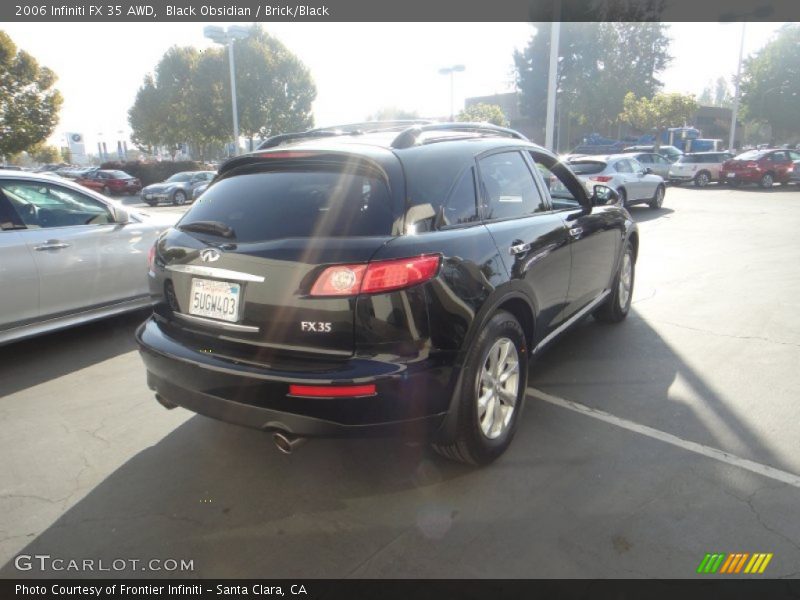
(106, 190)
(623, 196)
(494, 378)
(179, 198)
(702, 179)
(767, 180)
(658, 199)
(618, 303)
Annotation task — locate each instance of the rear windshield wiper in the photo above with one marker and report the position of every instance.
(214, 227)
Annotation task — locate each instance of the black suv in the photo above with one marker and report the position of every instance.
(370, 281)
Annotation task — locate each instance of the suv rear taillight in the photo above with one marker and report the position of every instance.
(151, 257)
(375, 277)
(603, 178)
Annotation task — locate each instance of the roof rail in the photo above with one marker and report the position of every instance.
(337, 130)
(277, 140)
(410, 136)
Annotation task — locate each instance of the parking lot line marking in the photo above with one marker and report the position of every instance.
(720, 455)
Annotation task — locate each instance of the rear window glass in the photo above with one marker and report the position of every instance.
(587, 167)
(751, 155)
(273, 205)
(691, 159)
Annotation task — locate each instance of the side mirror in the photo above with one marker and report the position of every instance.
(121, 216)
(603, 195)
(648, 171)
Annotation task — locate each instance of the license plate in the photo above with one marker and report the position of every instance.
(215, 299)
(731, 174)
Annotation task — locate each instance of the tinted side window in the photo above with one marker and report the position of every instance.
(508, 186)
(794, 155)
(560, 197)
(645, 158)
(462, 206)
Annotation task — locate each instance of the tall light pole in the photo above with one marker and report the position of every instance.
(226, 37)
(450, 71)
(735, 112)
(552, 77)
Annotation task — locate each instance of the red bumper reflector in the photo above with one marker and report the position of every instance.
(332, 391)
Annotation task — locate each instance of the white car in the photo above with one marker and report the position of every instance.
(634, 183)
(699, 167)
(68, 255)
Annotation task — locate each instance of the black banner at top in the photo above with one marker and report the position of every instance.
(396, 10)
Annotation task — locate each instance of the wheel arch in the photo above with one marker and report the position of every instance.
(517, 303)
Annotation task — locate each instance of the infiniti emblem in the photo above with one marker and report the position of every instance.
(209, 255)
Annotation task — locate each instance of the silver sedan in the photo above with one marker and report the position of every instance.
(68, 255)
(633, 182)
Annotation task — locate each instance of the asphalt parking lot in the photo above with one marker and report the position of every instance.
(642, 447)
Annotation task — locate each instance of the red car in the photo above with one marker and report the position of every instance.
(764, 167)
(110, 182)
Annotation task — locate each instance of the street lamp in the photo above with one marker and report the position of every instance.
(226, 37)
(450, 71)
(736, 92)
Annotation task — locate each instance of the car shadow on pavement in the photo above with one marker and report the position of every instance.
(630, 371)
(223, 497)
(34, 361)
(642, 214)
(216, 492)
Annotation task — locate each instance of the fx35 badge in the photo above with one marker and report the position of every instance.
(318, 326)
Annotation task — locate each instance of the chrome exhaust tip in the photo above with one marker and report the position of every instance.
(286, 443)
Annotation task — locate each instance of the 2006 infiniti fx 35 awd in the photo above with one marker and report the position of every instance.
(381, 279)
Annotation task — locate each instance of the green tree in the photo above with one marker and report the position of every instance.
(598, 64)
(45, 154)
(29, 104)
(276, 88)
(66, 155)
(658, 113)
(188, 98)
(483, 113)
(770, 84)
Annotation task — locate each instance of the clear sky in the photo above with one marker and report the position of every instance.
(358, 68)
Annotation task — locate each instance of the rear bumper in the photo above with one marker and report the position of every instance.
(746, 176)
(411, 400)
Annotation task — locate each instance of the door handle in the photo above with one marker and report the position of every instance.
(51, 245)
(576, 231)
(519, 248)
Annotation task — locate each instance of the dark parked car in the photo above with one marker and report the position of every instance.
(178, 189)
(110, 182)
(381, 282)
(764, 167)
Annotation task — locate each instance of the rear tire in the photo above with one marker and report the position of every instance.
(623, 196)
(658, 199)
(494, 380)
(618, 303)
(106, 190)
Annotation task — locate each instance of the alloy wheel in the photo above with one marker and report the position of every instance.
(625, 280)
(498, 388)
